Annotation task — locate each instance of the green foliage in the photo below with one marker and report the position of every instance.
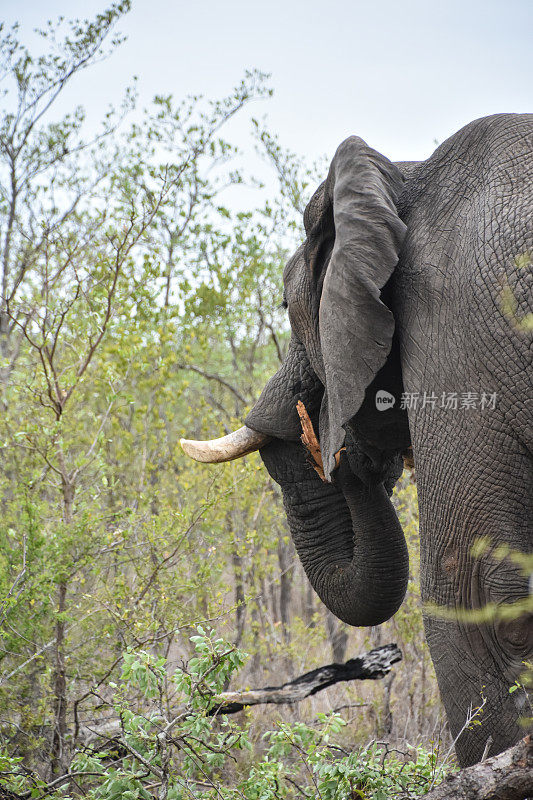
(185, 753)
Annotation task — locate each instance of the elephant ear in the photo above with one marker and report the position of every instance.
(355, 326)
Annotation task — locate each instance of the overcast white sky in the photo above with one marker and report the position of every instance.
(399, 74)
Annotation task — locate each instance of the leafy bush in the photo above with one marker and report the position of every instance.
(167, 741)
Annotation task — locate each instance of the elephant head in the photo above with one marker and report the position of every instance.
(342, 353)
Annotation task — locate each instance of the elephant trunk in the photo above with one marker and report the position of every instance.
(348, 538)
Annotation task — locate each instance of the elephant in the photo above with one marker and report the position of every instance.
(406, 304)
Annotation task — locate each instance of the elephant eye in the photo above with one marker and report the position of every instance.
(284, 303)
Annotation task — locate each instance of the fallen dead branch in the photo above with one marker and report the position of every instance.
(507, 776)
(369, 666)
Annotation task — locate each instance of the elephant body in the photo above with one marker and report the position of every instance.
(414, 282)
(468, 214)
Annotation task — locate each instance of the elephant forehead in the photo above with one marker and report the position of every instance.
(302, 303)
(315, 208)
(294, 266)
(298, 289)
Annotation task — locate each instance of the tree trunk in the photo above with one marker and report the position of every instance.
(308, 599)
(286, 557)
(59, 687)
(338, 638)
(240, 604)
(59, 682)
(387, 711)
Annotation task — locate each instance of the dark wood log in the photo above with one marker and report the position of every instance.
(507, 776)
(370, 666)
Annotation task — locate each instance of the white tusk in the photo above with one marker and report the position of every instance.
(227, 448)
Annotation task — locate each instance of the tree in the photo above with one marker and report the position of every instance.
(76, 274)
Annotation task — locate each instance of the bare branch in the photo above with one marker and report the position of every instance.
(212, 377)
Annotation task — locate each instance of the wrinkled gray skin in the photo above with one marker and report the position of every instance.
(399, 287)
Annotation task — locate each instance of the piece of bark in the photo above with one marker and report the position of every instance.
(309, 440)
(507, 776)
(370, 666)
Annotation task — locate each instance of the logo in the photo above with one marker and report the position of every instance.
(384, 400)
